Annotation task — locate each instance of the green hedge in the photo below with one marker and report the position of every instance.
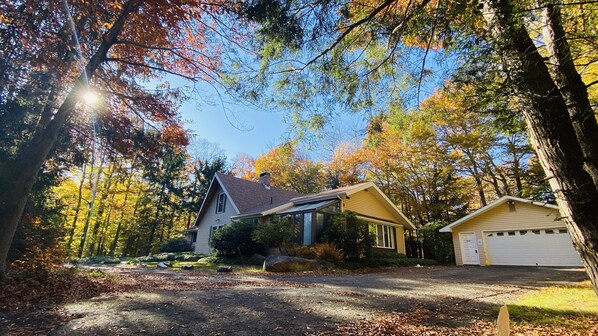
(235, 240)
(175, 245)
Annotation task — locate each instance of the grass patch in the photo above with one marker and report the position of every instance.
(574, 306)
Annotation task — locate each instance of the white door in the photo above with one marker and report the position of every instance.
(541, 247)
(469, 249)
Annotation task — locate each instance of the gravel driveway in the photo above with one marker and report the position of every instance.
(299, 305)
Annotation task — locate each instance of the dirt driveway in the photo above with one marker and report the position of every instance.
(299, 305)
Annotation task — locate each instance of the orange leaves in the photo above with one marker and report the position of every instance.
(290, 170)
(175, 135)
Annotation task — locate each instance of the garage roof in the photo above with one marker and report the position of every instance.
(449, 228)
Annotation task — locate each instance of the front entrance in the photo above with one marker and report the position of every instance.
(469, 249)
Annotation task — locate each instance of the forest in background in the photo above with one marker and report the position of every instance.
(436, 165)
(118, 178)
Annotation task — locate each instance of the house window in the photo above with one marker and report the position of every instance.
(221, 203)
(385, 236)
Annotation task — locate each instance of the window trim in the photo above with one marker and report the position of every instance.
(220, 202)
(388, 236)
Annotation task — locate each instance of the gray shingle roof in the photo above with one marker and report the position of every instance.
(252, 197)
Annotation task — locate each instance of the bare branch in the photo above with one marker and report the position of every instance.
(111, 59)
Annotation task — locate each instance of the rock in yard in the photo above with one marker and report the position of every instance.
(186, 267)
(224, 269)
(289, 264)
(164, 264)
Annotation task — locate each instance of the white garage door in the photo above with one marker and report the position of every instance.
(544, 247)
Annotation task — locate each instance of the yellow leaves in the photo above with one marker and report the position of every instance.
(4, 19)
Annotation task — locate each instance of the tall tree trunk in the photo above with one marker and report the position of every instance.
(154, 225)
(103, 234)
(100, 213)
(30, 159)
(563, 149)
(122, 213)
(77, 209)
(92, 201)
(572, 88)
(477, 177)
(512, 147)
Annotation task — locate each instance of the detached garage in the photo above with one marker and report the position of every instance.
(513, 231)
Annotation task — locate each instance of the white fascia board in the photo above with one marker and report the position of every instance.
(379, 221)
(449, 228)
(393, 206)
(226, 191)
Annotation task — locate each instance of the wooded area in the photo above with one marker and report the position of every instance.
(514, 114)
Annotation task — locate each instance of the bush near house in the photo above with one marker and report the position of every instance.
(328, 252)
(235, 240)
(437, 245)
(297, 250)
(351, 235)
(174, 245)
(277, 233)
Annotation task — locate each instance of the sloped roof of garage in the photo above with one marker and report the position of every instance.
(502, 200)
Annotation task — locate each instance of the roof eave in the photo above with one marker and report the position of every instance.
(449, 228)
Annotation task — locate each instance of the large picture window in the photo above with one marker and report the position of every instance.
(221, 203)
(385, 236)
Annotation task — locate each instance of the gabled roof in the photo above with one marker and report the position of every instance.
(333, 194)
(245, 196)
(350, 190)
(502, 200)
(249, 195)
(251, 199)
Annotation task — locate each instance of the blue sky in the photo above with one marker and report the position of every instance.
(237, 129)
(245, 129)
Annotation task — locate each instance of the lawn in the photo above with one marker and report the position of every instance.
(574, 306)
(210, 267)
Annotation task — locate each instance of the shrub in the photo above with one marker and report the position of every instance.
(437, 245)
(399, 261)
(277, 233)
(256, 259)
(235, 240)
(296, 250)
(179, 244)
(327, 252)
(97, 260)
(210, 260)
(351, 235)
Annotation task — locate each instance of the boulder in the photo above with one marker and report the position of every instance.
(164, 264)
(187, 267)
(290, 264)
(224, 269)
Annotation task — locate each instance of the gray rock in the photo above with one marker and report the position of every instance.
(224, 269)
(290, 264)
(187, 267)
(164, 264)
